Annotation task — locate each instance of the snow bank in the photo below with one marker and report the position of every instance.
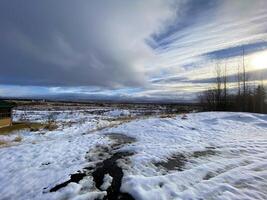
(226, 157)
(59, 116)
(118, 113)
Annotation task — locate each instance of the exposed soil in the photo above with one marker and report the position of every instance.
(176, 162)
(208, 152)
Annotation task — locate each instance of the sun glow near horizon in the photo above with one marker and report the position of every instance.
(258, 60)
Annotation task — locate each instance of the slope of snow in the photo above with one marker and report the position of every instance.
(118, 113)
(225, 153)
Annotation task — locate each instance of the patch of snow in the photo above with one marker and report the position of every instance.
(236, 168)
(44, 158)
(106, 182)
(28, 168)
(118, 113)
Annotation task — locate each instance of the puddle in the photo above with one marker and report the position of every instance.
(75, 178)
(110, 166)
(106, 162)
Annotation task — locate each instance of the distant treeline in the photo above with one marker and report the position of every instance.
(244, 97)
(252, 101)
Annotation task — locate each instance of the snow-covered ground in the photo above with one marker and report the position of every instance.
(224, 156)
(213, 155)
(44, 158)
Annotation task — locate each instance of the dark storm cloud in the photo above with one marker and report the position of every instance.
(77, 43)
(237, 50)
(193, 13)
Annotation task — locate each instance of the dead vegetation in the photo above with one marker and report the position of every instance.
(4, 143)
(114, 122)
(20, 126)
(51, 122)
(17, 139)
(51, 126)
(167, 116)
(31, 126)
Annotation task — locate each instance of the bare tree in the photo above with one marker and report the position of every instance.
(218, 86)
(238, 80)
(208, 99)
(244, 71)
(244, 78)
(225, 86)
(247, 97)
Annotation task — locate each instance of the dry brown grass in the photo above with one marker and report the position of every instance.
(167, 116)
(114, 122)
(3, 143)
(51, 126)
(21, 126)
(17, 139)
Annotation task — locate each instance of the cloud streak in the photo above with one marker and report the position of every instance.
(153, 49)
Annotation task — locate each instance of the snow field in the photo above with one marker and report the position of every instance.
(46, 158)
(237, 168)
(220, 156)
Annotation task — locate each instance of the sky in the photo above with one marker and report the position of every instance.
(153, 50)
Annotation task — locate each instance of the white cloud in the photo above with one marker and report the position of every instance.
(232, 23)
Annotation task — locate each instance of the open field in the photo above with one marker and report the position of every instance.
(133, 100)
(137, 152)
(17, 126)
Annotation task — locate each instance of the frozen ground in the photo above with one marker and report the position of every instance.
(199, 156)
(217, 156)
